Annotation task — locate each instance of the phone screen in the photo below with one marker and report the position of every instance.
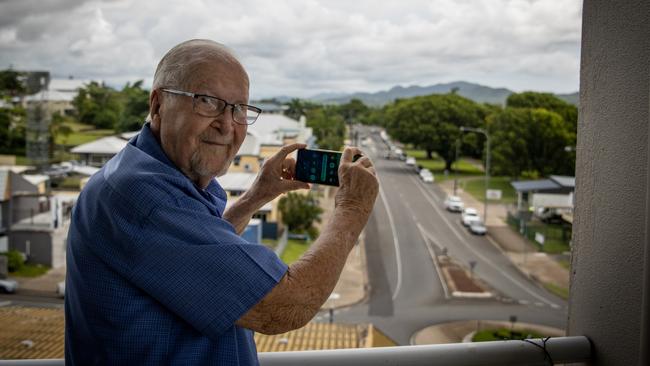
(318, 166)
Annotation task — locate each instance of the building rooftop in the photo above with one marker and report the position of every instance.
(109, 145)
(31, 332)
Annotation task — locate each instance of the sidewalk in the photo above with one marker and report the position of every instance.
(46, 283)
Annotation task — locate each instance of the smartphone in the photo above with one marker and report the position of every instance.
(318, 166)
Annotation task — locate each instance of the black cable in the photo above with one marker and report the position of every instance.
(543, 348)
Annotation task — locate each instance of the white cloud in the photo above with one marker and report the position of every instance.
(307, 47)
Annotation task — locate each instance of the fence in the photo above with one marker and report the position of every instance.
(548, 237)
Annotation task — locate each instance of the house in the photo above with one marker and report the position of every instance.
(58, 96)
(32, 220)
(555, 184)
(97, 153)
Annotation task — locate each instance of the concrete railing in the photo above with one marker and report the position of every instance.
(515, 353)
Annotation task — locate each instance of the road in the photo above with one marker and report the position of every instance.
(406, 292)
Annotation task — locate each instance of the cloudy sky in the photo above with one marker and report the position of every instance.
(301, 48)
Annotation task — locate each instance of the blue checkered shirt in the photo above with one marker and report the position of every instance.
(155, 275)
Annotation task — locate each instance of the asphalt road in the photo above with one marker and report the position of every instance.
(406, 294)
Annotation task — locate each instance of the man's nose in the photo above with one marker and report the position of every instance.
(224, 122)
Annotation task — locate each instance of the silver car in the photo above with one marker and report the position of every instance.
(454, 204)
(477, 227)
(8, 286)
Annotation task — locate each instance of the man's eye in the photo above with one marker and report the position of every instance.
(205, 100)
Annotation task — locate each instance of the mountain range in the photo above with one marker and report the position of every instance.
(476, 92)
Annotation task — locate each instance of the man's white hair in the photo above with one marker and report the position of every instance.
(177, 67)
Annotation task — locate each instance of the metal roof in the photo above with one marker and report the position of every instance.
(535, 185)
(564, 181)
(109, 145)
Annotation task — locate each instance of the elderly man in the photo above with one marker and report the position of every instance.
(157, 273)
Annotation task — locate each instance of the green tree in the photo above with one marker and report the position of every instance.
(12, 131)
(530, 142)
(432, 122)
(299, 211)
(135, 102)
(299, 107)
(328, 127)
(10, 83)
(353, 111)
(98, 105)
(548, 101)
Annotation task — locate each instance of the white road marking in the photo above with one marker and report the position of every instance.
(395, 242)
(524, 302)
(478, 254)
(432, 254)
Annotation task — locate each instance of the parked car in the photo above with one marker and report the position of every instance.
(60, 289)
(477, 227)
(418, 167)
(454, 204)
(8, 286)
(469, 214)
(387, 155)
(426, 176)
(410, 161)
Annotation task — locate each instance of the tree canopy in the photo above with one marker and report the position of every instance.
(530, 142)
(299, 211)
(432, 122)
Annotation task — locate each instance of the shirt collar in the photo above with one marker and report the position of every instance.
(147, 142)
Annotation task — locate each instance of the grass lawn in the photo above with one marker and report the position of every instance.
(437, 166)
(81, 134)
(82, 137)
(30, 270)
(565, 263)
(504, 333)
(476, 187)
(271, 243)
(560, 291)
(22, 160)
(294, 250)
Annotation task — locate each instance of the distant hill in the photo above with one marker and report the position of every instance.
(475, 92)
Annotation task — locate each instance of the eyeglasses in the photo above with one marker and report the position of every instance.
(209, 106)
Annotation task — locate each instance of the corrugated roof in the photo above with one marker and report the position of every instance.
(238, 181)
(250, 146)
(535, 185)
(564, 181)
(105, 145)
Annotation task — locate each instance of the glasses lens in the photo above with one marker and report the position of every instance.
(210, 107)
(245, 115)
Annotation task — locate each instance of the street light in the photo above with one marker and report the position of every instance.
(487, 162)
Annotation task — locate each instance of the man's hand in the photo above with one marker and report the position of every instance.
(358, 183)
(277, 175)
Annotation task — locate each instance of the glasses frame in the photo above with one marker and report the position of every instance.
(226, 104)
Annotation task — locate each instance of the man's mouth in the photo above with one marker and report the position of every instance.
(216, 143)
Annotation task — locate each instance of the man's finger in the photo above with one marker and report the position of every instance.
(365, 161)
(349, 153)
(288, 149)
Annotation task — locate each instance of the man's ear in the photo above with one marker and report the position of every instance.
(154, 108)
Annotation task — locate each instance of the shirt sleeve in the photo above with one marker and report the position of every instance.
(197, 266)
